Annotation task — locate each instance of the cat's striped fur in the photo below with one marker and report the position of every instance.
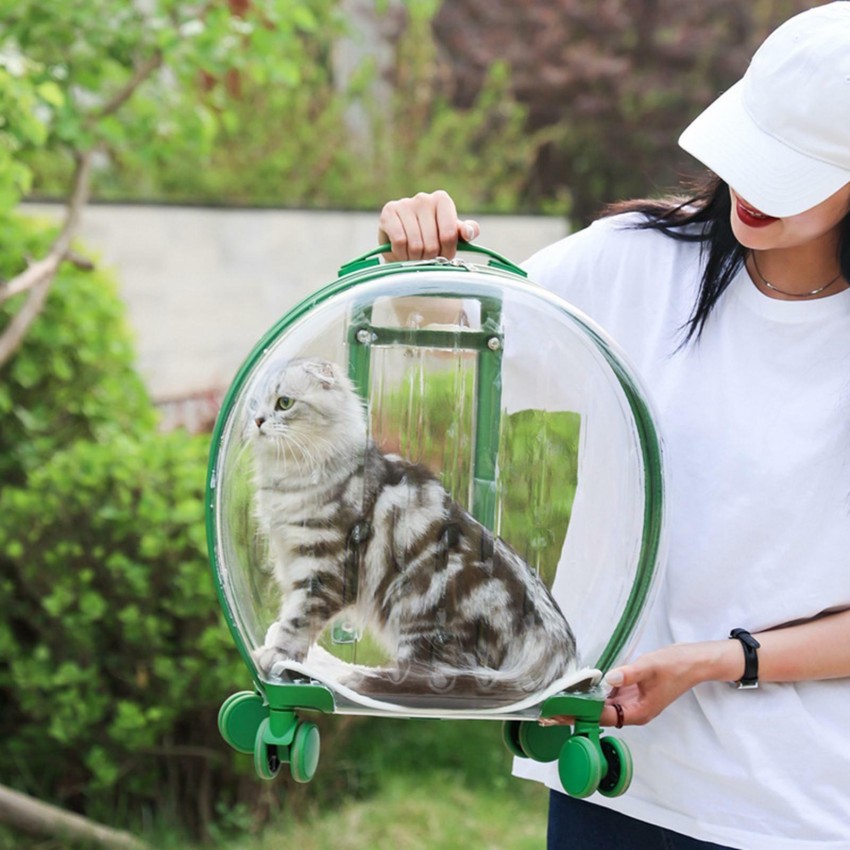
(351, 528)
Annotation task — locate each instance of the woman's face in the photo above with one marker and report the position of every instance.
(760, 232)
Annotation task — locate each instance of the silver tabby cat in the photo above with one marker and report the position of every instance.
(350, 528)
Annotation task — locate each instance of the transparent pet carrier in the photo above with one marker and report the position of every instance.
(435, 490)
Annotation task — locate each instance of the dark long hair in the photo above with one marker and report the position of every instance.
(709, 207)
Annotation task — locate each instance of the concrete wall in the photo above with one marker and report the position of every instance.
(203, 285)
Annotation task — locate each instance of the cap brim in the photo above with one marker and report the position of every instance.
(772, 177)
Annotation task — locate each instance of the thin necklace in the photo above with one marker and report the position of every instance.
(769, 285)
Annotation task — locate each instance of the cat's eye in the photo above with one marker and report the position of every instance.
(284, 403)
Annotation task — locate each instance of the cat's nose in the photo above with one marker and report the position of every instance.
(259, 421)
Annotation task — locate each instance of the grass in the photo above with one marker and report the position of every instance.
(437, 811)
(406, 785)
(411, 784)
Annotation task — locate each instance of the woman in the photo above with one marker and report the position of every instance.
(734, 305)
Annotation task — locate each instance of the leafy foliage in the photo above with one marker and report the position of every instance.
(608, 85)
(74, 378)
(286, 136)
(104, 75)
(24, 99)
(113, 657)
(91, 51)
(113, 650)
(252, 108)
(589, 116)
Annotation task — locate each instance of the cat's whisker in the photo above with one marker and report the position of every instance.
(303, 449)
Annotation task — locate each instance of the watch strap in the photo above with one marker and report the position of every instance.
(750, 679)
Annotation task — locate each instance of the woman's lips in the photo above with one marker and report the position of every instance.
(751, 216)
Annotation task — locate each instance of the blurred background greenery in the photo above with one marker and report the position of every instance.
(113, 659)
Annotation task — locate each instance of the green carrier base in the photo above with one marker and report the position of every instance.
(268, 727)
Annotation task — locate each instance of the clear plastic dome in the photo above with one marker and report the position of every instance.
(435, 487)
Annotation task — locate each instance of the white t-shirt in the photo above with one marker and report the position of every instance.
(755, 423)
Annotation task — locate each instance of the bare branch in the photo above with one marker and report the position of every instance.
(84, 264)
(14, 333)
(36, 271)
(76, 203)
(38, 276)
(37, 818)
(34, 274)
(13, 336)
(140, 74)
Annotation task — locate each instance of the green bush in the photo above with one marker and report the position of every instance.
(73, 378)
(116, 658)
(113, 655)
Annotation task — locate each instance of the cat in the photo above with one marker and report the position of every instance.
(351, 528)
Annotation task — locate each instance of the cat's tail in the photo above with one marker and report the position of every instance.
(435, 689)
(421, 686)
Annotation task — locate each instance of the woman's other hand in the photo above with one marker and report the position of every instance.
(423, 227)
(644, 688)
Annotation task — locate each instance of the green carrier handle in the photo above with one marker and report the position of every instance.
(487, 343)
(373, 258)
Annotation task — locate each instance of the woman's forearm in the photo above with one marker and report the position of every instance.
(816, 649)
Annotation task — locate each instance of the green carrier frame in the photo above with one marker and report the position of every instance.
(265, 722)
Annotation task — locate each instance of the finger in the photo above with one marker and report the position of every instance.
(399, 224)
(448, 226)
(414, 239)
(624, 694)
(469, 230)
(427, 210)
(557, 720)
(391, 229)
(618, 677)
(611, 717)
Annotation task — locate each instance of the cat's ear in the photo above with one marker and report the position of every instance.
(324, 372)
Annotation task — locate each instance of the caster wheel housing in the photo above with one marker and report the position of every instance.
(267, 760)
(620, 767)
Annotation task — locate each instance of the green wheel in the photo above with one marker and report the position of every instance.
(229, 701)
(266, 759)
(543, 743)
(620, 770)
(510, 737)
(580, 766)
(304, 753)
(239, 718)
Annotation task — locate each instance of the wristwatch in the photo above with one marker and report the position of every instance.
(750, 679)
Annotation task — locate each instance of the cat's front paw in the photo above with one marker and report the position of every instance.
(275, 650)
(266, 657)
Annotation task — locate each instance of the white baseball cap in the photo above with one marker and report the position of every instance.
(780, 137)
